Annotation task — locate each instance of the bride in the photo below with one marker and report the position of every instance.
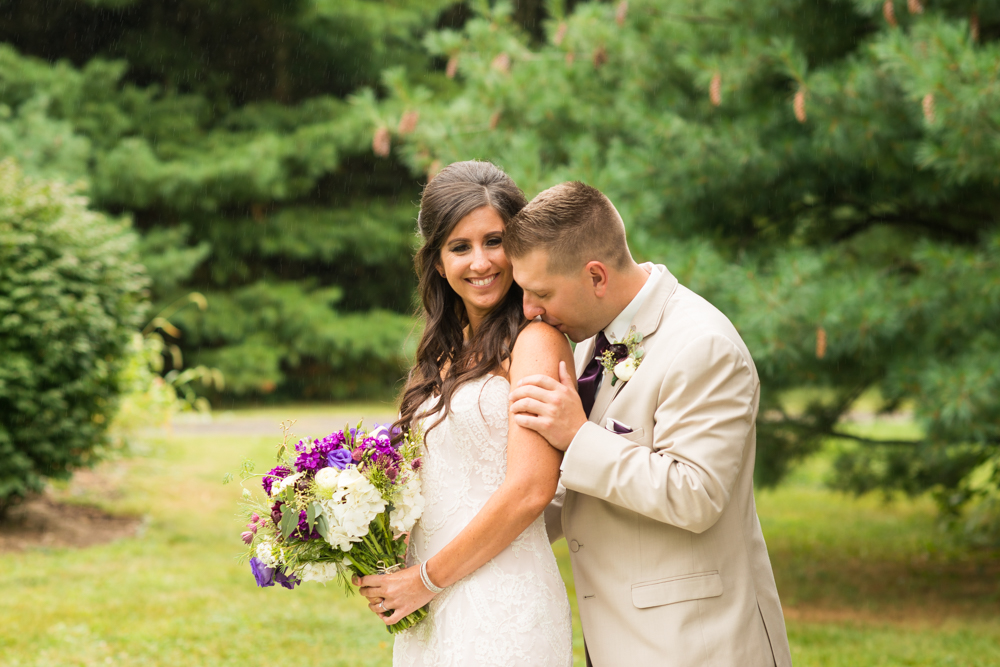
(479, 554)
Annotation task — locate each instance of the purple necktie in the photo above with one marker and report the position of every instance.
(587, 383)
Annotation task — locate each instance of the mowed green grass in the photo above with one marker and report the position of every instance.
(863, 582)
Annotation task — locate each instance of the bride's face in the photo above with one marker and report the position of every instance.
(474, 264)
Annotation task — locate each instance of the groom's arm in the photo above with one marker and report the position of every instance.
(553, 515)
(706, 406)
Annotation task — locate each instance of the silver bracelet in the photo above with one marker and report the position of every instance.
(427, 580)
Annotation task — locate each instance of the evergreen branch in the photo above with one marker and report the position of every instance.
(904, 220)
(873, 441)
(698, 19)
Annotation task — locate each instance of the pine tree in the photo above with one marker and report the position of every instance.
(226, 131)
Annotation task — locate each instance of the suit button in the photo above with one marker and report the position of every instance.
(574, 546)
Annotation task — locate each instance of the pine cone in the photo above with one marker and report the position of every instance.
(560, 34)
(433, 170)
(381, 143)
(621, 13)
(600, 57)
(501, 63)
(799, 106)
(408, 123)
(928, 106)
(820, 342)
(715, 90)
(889, 12)
(914, 6)
(452, 69)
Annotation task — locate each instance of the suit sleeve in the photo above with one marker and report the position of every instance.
(553, 515)
(705, 410)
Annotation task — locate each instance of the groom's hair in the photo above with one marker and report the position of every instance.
(574, 223)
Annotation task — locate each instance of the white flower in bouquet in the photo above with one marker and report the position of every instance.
(326, 480)
(339, 537)
(285, 483)
(321, 572)
(353, 506)
(408, 508)
(265, 552)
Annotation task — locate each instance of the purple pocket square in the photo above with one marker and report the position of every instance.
(616, 426)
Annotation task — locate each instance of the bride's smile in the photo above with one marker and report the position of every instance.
(483, 282)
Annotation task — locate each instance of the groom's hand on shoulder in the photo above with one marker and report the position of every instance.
(550, 408)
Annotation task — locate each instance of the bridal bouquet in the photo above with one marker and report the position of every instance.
(334, 507)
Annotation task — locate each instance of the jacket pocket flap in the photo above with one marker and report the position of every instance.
(677, 589)
(635, 435)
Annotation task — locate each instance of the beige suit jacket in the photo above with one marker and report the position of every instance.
(668, 557)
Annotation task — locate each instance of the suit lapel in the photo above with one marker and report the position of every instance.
(646, 322)
(582, 355)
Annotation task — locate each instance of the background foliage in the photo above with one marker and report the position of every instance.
(70, 299)
(824, 171)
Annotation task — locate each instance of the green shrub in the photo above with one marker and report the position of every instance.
(71, 296)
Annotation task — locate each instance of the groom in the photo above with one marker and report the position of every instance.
(656, 492)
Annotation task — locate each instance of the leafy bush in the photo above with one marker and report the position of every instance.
(71, 296)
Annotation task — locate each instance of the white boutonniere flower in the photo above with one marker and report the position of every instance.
(623, 357)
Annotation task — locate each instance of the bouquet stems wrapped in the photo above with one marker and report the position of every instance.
(343, 505)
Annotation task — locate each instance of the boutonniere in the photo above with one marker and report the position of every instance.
(622, 358)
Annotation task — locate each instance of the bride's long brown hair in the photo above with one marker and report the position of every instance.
(445, 360)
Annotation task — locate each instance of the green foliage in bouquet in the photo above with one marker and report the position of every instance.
(71, 296)
(824, 172)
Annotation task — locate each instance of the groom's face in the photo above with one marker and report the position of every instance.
(564, 301)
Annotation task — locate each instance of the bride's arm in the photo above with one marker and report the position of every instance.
(530, 484)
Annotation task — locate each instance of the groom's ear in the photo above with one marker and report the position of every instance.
(597, 273)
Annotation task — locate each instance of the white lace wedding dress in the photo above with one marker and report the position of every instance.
(511, 611)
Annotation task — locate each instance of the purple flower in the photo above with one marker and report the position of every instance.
(619, 351)
(309, 461)
(247, 536)
(392, 472)
(417, 462)
(380, 432)
(262, 573)
(339, 458)
(276, 512)
(357, 454)
(302, 531)
(270, 478)
(336, 439)
(287, 582)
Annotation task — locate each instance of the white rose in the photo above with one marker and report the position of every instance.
(321, 572)
(625, 369)
(326, 479)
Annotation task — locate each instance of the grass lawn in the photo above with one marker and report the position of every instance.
(863, 582)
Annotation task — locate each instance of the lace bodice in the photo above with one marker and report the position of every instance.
(514, 609)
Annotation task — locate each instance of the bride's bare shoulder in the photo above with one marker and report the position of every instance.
(540, 342)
